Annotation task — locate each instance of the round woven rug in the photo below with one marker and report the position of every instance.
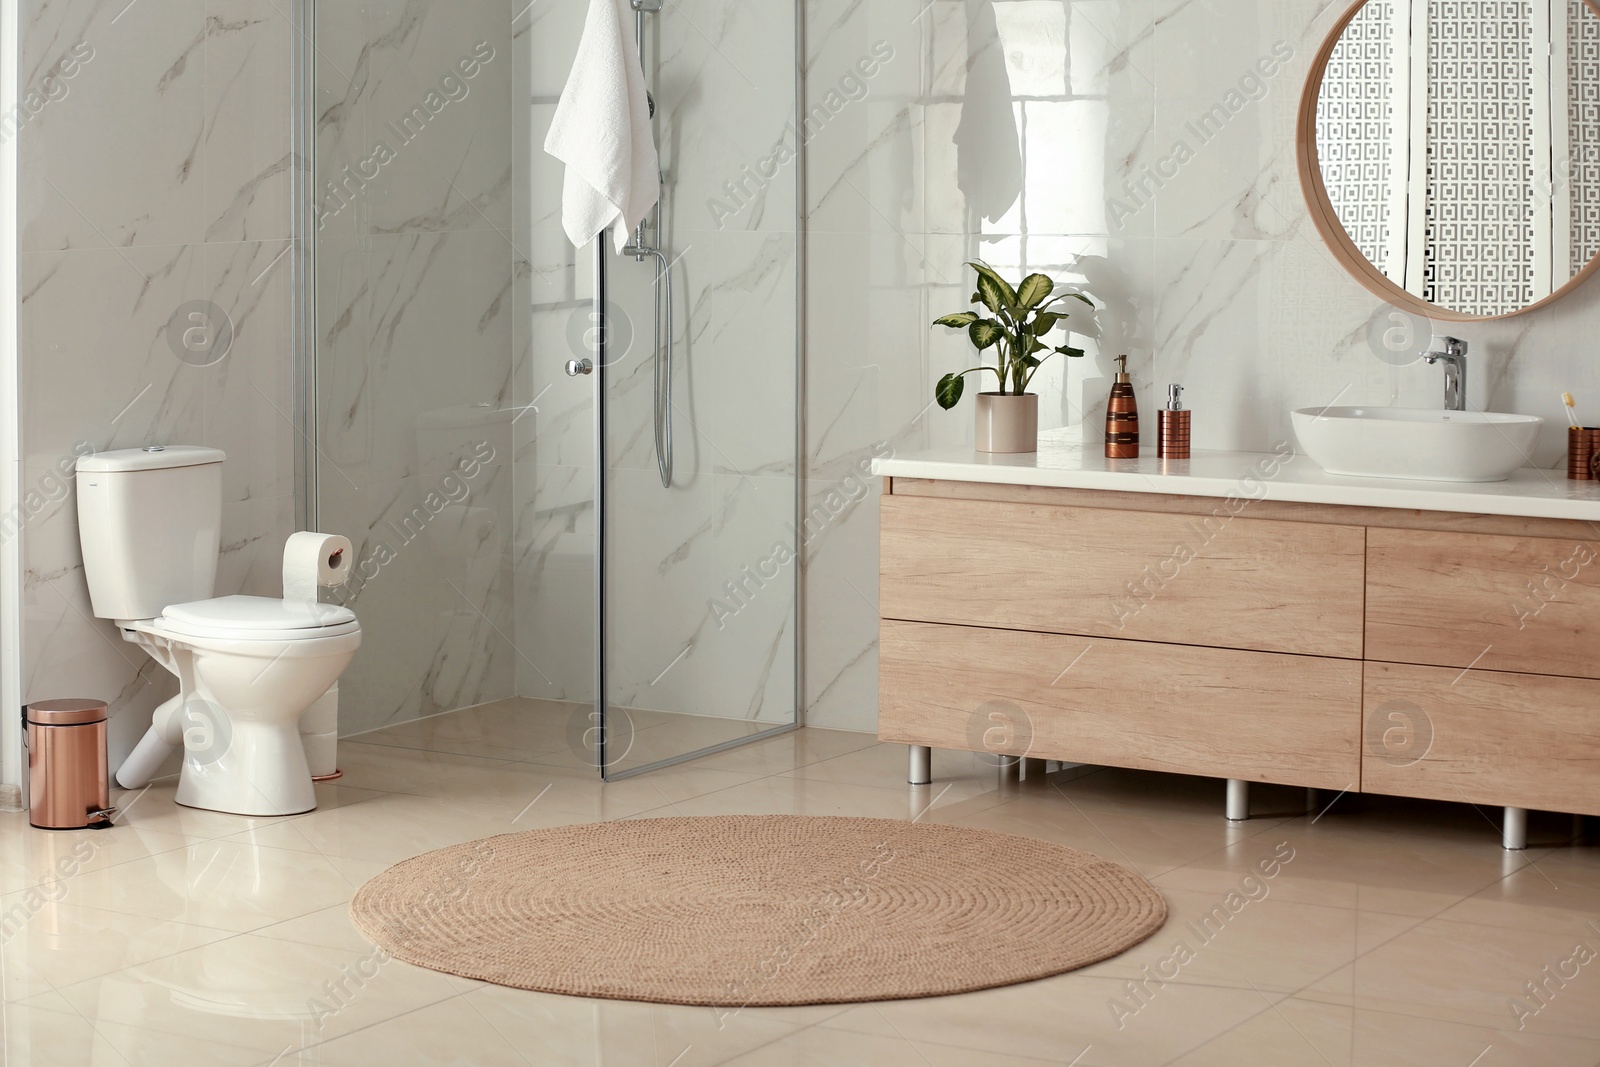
(742, 910)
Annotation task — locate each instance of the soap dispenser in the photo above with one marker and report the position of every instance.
(1122, 416)
(1172, 431)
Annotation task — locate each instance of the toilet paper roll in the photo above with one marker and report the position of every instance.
(313, 560)
(322, 753)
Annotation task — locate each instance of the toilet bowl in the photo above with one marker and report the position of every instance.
(247, 667)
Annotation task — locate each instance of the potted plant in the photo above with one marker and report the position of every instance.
(1020, 317)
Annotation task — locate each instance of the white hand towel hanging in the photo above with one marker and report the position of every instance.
(601, 131)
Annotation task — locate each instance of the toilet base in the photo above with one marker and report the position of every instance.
(262, 771)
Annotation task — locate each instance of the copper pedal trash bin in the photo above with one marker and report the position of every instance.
(69, 787)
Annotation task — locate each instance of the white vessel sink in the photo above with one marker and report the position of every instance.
(1435, 446)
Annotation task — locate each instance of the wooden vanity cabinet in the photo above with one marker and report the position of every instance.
(1425, 654)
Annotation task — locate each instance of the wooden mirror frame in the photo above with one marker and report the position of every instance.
(1332, 229)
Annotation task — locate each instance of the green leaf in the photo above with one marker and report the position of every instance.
(1045, 322)
(1034, 345)
(985, 333)
(1031, 362)
(1034, 288)
(948, 391)
(1073, 352)
(958, 321)
(1005, 296)
(993, 297)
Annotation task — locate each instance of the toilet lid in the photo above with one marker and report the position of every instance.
(258, 613)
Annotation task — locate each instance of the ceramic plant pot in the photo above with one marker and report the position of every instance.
(1008, 423)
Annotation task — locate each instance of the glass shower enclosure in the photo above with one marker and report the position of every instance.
(524, 548)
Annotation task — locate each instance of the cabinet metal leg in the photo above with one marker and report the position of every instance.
(1032, 768)
(921, 764)
(1515, 836)
(1238, 808)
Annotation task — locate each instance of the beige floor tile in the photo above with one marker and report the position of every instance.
(1246, 939)
(419, 772)
(405, 825)
(964, 776)
(1115, 790)
(52, 944)
(776, 755)
(1398, 870)
(1340, 869)
(451, 1033)
(684, 782)
(1149, 844)
(506, 729)
(329, 928)
(225, 884)
(781, 795)
(1300, 1033)
(818, 1047)
(30, 856)
(36, 1037)
(1473, 974)
(154, 808)
(1058, 1018)
(555, 1031)
(657, 737)
(259, 993)
(1539, 896)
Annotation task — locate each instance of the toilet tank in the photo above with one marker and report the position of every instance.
(150, 523)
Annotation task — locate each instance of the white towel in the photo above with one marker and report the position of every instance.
(601, 131)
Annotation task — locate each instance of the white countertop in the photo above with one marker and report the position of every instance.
(1063, 461)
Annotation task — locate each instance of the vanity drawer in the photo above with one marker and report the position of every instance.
(1484, 737)
(1264, 717)
(1521, 604)
(1215, 579)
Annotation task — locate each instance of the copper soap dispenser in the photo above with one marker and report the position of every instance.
(1172, 437)
(1122, 416)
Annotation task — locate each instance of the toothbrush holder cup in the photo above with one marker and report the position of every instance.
(1583, 453)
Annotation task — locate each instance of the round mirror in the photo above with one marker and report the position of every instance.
(1450, 151)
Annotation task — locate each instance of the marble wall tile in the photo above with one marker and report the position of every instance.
(114, 160)
(246, 160)
(439, 96)
(724, 82)
(703, 606)
(864, 145)
(411, 326)
(419, 335)
(733, 356)
(1229, 80)
(432, 585)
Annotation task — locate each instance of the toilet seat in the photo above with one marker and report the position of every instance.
(254, 618)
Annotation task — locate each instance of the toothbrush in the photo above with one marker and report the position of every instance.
(1572, 409)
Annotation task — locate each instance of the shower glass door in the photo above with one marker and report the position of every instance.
(527, 586)
(694, 647)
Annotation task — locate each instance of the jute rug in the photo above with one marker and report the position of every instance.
(757, 910)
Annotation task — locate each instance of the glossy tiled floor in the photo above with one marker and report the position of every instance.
(1390, 933)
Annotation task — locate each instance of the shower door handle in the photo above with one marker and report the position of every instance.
(576, 367)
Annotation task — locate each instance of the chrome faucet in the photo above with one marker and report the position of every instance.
(1454, 358)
